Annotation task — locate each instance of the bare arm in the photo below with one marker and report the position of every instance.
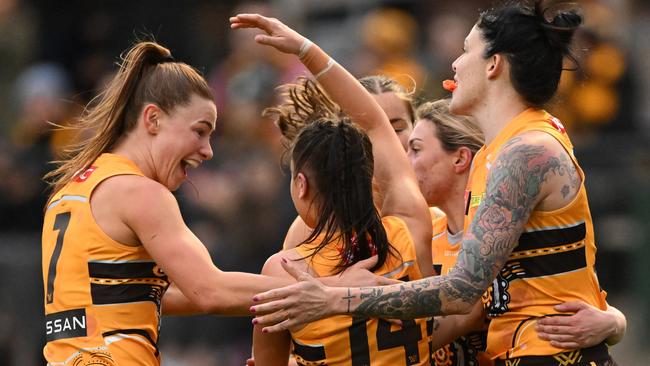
(393, 174)
(525, 171)
(174, 302)
(272, 349)
(153, 215)
(447, 328)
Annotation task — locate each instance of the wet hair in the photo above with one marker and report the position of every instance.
(148, 74)
(379, 84)
(336, 156)
(534, 46)
(453, 131)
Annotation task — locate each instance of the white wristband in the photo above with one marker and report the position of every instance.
(327, 68)
(304, 48)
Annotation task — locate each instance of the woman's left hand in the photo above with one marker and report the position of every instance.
(278, 35)
(588, 327)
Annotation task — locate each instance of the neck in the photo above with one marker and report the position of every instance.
(138, 152)
(501, 105)
(453, 205)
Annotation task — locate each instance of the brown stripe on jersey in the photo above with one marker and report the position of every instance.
(309, 353)
(125, 293)
(124, 270)
(551, 237)
(548, 265)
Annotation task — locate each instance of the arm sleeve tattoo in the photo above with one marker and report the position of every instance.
(513, 189)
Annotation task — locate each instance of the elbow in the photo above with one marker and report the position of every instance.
(462, 296)
(208, 302)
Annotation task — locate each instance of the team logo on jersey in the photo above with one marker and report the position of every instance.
(85, 174)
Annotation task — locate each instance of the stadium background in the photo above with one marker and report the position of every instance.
(55, 55)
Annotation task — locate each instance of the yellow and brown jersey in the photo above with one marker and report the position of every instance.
(102, 298)
(351, 341)
(469, 349)
(553, 261)
(444, 245)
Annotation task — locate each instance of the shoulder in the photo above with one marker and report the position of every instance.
(534, 164)
(134, 195)
(533, 142)
(273, 265)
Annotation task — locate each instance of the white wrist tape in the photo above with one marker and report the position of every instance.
(304, 48)
(327, 68)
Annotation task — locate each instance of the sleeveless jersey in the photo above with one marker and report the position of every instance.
(553, 261)
(468, 350)
(352, 341)
(102, 298)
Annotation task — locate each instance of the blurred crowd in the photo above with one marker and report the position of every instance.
(55, 56)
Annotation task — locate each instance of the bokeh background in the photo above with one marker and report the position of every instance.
(56, 55)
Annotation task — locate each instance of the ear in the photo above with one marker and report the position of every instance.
(151, 114)
(462, 160)
(302, 185)
(495, 66)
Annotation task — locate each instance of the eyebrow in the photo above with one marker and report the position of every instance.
(414, 140)
(210, 124)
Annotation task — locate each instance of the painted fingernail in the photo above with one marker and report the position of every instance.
(255, 321)
(264, 330)
(255, 298)
(252, 309)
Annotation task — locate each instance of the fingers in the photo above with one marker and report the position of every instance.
(272, 318)
(384, 281)
(367, 263)
(566, 345)
(250, 21)
(280, 327)
(250, 362)
(564, 321)
(571, 306)
(555, 329)
(291, 268)
(268, 307)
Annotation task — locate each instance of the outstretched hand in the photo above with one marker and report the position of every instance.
(293, 306)
(278, 35)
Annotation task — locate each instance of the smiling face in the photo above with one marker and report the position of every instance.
(470, 75)
(398, 114)
(432, 164)
(183, 140)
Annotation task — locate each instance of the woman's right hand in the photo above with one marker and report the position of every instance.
(278, 35)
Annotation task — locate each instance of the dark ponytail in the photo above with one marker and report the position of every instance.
(336, 156)
(534, 45)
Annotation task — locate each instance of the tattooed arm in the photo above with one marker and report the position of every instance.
(532, 170)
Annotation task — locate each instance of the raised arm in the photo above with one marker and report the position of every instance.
(393, 174)
(525, 172)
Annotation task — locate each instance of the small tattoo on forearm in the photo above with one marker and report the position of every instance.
(349, 298)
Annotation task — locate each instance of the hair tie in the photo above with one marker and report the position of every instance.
(162, 60)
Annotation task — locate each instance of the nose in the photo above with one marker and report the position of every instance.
(410, 156)
(453, 64)
(206, 151)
